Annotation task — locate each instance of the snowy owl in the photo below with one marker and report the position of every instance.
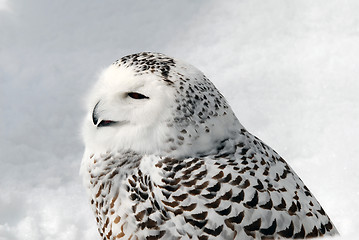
(166, 158)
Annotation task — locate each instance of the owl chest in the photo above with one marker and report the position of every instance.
(122, 203)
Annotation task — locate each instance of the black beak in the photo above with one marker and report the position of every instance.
(94, 114)
(102, 123)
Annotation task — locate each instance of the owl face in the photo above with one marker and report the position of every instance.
(128, 110)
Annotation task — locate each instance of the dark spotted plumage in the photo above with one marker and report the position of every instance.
(205, 176)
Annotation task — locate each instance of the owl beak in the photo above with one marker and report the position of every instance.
(97, 121)
(95, 114)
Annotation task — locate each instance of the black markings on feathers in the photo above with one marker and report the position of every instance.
(253, 226)
(270, 230)
(288, 232)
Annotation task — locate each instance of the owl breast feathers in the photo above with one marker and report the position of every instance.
(166, 158)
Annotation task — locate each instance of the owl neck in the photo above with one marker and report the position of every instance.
(190, 137)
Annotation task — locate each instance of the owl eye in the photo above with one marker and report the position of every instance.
(136, 95)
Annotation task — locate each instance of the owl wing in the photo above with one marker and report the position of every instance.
(245, 191)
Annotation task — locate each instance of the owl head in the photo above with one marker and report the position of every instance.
(153, 104)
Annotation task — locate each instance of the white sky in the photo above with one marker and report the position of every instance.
(4, 5)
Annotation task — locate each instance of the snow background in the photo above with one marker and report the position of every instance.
(288, 68)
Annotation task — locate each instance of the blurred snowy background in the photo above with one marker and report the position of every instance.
(290, 70)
